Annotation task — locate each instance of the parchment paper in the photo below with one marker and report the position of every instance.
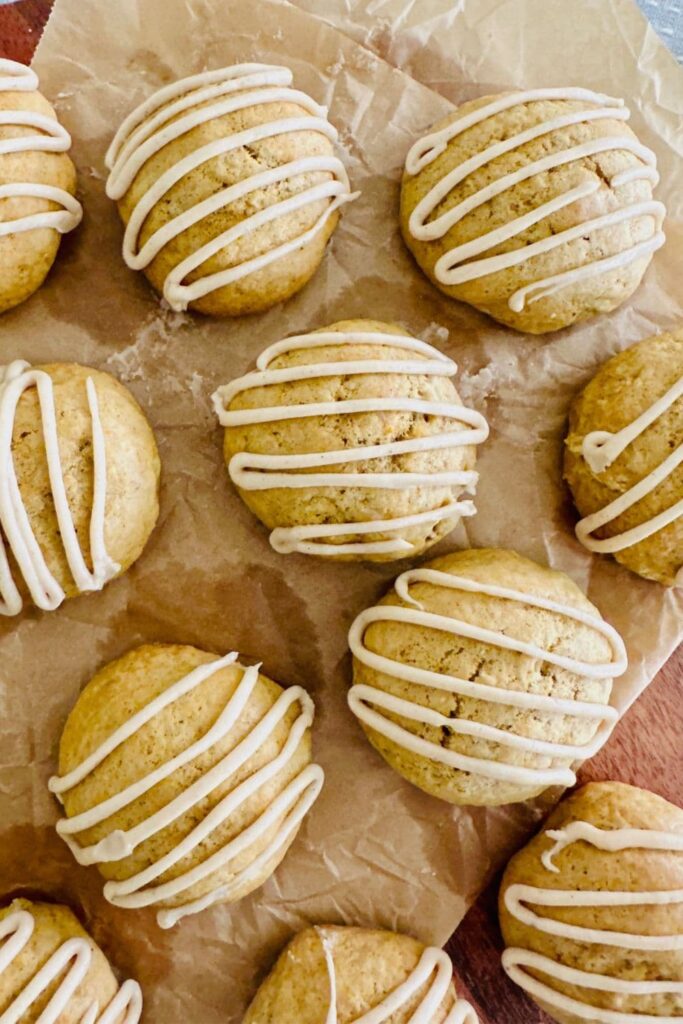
(374, 850)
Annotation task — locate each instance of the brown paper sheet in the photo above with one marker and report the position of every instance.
(374, 850)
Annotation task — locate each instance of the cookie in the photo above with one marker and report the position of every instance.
(334, 975)
(623, 459)
(37, 185)
(79, 493)
(52, 971)
(482, 676)
(229, 188)
(534, 207)
(351, 442)
(590, 909)
(184, 777)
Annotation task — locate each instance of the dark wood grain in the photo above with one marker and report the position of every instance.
(644, 750)
(21, 25)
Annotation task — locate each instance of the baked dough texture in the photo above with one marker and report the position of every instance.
(27, 255)
(238, 148)
(621, 391)
(470, 674)
(512, 210)
(123, 688)
(55, 925)
(284, 509)
(582, 867)
(132, 464)
(368, 966)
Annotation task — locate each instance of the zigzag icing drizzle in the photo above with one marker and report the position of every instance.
(15, 933)
(434, 963)
(16, 526)
(49, 137)
(364, 699)
(600, 449)
(518, 898)
(149, 128)
(467, 262)
(251, 471)
(292, 804)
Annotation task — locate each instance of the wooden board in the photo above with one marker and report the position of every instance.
(644, 750)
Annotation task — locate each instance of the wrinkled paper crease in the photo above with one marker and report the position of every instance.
(374, 850)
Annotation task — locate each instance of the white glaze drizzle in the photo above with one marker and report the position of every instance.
(49, 137)
(15, 933)
(149, 128)
(45, 591)
(434, 963)
(465, 262)
(251, 471)
(292, 804)
(364, 699)
(517, 897)
(600, 448)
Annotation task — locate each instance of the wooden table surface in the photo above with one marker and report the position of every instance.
(476, 946)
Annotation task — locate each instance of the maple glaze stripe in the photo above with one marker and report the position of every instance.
(74, 956)
(466, 262)
(252, 471)
(365, 700)
(284, 813)
(434, 964)
(517, 899)
(49, 137)
(600, 449)
(195, 101)
(20, 537)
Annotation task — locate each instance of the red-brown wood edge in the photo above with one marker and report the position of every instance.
(21, 26)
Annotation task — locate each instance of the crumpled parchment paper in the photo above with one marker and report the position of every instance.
(374, 849)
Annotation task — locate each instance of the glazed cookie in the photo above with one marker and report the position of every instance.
(51, 971)
(535, 207)
(623, 458)
(590, 909)
(352, 442)
(79, 492)
(184, 777)
(229, 188)
(37, 185)
(334, 975)
(481, 677)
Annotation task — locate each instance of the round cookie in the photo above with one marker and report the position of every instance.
(482, 676)
(624, 458)
(79, 497)
(37, 185)
(382, 402)
(535, 207)
(50, 969)
(591, 909)
(184, 777)
(335, 975)
(229, 188)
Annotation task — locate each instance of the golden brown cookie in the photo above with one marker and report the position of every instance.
(535, 207)
(229, 188)
(87, 472)
(624, 458)
(184, 777)
(352, 443)
(482, 676)
(592, 909)
(330, 973)
(37, 185)
(50, 969)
